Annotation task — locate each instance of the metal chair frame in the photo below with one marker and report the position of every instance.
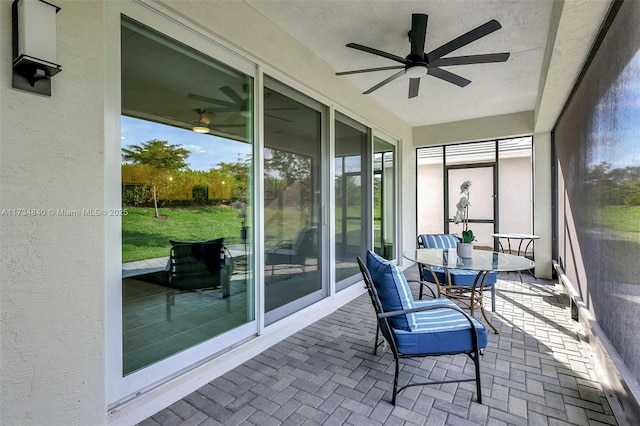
(389, 335)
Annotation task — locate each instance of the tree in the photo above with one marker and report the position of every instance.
(157, 153)
(160, 155)
(239, 174)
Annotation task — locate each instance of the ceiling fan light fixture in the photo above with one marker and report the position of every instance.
(200, 128)
(202, 125)
(416, 70)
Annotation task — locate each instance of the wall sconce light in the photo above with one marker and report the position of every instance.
(34, 45)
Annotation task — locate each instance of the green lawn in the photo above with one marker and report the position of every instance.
(621, 220)
(146, 237)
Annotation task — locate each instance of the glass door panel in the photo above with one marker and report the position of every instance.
(384, 199)
(430, 190)
(515, 167)
(351, 210)
(185, 278)
(292, 201)
(481, 198)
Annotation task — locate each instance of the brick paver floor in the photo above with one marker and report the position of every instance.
(535, 372)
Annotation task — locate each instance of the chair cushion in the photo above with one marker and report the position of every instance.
(393, 290)
(439, 240)
(439, 331)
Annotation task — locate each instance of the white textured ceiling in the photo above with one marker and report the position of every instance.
(548, 42)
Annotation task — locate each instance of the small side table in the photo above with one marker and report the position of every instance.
(524, 242)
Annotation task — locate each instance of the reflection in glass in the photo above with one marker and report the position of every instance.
(350, 197)
(186, 148)
(292, 206)
(384, 198)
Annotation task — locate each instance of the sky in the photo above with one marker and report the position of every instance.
(206, 150)
(616, 125)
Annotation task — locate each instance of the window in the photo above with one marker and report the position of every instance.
(501, 176)
(187, 135)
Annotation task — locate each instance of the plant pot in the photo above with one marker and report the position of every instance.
(465, 249)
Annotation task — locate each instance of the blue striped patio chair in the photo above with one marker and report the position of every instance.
(416, 329)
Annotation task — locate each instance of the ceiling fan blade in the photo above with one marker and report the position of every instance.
(278, 118)
(221, 109)
(233, 118)
(463, 40)
(377, 52)
(414, 86)
(448, 76)
(393, 67)
(232, 95)
(383, 82)
(211, 100)
(418, 34)
(282, 109)
(225, 125)
(471, 59)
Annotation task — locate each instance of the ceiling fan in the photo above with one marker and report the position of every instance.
(237, 105)
(418, 63)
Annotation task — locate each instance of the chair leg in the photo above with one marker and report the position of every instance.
(375, 346)
(395, 382)
(170, 301)
(476, 361)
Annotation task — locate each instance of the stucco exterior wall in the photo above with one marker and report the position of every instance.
(52, 293)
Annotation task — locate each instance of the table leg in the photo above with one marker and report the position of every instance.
(471, 298)
(493, 297)
(482, 277)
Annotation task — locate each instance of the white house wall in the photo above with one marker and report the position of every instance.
(52, 293)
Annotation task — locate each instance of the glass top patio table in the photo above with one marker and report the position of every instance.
(482, 260)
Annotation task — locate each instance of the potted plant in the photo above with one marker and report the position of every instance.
(465, 246)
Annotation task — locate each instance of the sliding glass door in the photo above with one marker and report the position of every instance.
(187, 144)
(293, 139)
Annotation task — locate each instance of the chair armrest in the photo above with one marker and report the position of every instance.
(438, 305)
(428, 308)
(284, 243)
